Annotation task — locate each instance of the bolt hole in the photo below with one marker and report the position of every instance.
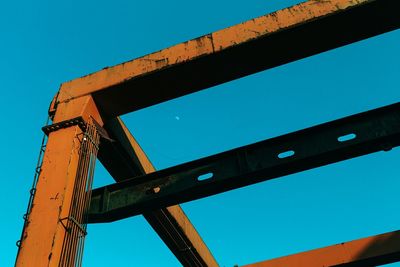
(286, 154)
(154, 190)
(347, 137)
(205, 176)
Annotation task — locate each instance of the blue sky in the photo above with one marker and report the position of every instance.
(45, 43)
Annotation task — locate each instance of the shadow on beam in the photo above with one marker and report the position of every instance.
(262, 43)
(124, 158)
(366, 252)
(334, 141)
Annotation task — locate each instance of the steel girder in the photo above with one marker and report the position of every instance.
(338, 140)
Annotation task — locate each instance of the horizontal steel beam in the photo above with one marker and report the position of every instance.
(366, 252)
(123, 158)
(327, 143)
(265, 42)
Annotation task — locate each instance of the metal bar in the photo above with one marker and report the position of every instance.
(124, 158)
(366, 252)
(327, 143)
(265, 42)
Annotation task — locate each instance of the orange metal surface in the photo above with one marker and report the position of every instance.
(208, 44)
(185, 229)
(268, 41)
(80, 107)
(43, 237)
(370, 251)
(41, 244)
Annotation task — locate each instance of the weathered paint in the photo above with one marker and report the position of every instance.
(79, 107)
(114, 75)
(370, 251)
(41, 243)
(280, 20)
(43, 237)
(205, 45)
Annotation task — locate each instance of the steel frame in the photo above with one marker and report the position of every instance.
(122, 156)
(354, 136)
(259, 44)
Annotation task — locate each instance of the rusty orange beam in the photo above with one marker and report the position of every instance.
(124, 158)
(43, 236)
(366, 252)
(265, 42)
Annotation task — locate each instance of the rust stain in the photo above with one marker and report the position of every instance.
(203, 45)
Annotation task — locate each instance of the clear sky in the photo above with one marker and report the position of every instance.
(44, 43)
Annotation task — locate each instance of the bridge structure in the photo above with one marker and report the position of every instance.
(85, 126)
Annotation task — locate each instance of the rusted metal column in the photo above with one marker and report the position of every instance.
(365, 252)
(43, 236)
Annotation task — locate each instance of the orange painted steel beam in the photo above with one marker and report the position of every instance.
(265, 42)
(366, 252)
(43, 237)
(124, 158)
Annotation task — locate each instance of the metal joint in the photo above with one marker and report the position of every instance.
(79, 121)
(75, 222)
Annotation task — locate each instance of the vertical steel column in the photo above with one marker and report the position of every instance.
(44, 234)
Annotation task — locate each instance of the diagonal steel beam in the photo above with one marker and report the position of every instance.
(334, 141)
(366, 252)
(265, 42)
(124, 158)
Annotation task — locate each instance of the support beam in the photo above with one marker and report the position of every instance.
(313, 147)
(284, 36)
(59, 187)
(124, 158)
(366, 252)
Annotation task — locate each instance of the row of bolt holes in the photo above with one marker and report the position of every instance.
(286, 154)
(282, 155)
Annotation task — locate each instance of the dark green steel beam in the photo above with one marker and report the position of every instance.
(313, 147)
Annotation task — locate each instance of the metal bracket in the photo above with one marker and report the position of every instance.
(75, 222)
(79, 121)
